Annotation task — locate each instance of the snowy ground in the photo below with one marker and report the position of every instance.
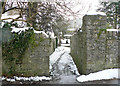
(101, 75)
(37, 78)
(65, 45)
(61, 62)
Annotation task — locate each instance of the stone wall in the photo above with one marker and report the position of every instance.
(0, 60)
(112, 49)
(0, 52)
(94, 48)
(35, 61)
(78, 50)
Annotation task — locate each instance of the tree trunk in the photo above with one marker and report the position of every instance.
(32, 12)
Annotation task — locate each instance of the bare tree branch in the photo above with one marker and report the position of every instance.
(13, 9)
(18, 20)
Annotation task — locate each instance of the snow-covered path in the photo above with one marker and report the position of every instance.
(62, 66)
(64, 71)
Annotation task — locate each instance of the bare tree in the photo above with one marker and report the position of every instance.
(42, 15)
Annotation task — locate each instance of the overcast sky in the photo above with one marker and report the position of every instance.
(84, 6)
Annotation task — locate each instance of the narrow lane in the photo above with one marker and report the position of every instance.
(64, 70)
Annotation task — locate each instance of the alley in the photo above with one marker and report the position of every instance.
(63, 68)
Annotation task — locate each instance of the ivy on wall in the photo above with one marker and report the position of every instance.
(103, 30)
(14, 49)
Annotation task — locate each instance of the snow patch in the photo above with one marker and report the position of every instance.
(68, 35)
(9, 17)
(10, 80)
(67, 59)
(64, 41)
(65, 45)
(36, 78)
(95, 13)
(117, 30)
(2, 24)
(56, 55)
(101, 75)
(19, 30)
(52, 35)
(80, 30)
(71, 29)
(42, 32)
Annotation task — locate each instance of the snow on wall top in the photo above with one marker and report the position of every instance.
(117, 30)
(42, 32)
(19, 30)
(9, 17)
(67, 35)
(96, 13)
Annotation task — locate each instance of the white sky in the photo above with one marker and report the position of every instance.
(84, 6)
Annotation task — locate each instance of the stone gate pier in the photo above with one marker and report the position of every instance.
(35, 60)
(95, 48)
